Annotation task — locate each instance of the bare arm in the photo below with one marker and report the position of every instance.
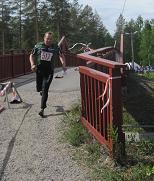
(63, 61)
(32, 62)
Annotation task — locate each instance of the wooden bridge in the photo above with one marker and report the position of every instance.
(100, 79)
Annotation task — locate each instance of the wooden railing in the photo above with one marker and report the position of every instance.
(101, 98)
(98, 69)
(14, 65)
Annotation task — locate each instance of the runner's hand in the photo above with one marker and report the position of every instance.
(33, 68)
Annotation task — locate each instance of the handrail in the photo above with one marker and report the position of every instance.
(94, 73)
(100, 61)
(102, 80)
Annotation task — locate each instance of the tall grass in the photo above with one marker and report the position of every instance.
(88, 152)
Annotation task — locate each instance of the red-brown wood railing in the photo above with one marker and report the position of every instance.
(104, 66)
(102, 123)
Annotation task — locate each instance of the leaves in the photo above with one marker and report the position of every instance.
(26, 21)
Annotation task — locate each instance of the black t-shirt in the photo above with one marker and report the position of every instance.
(46, 56)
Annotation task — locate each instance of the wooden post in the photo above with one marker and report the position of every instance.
(122, 48)
(116, 112)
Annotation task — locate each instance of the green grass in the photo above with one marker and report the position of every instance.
(76, 133)
(139, 105)
(148, 76)
(130, 122)
(138, 110)
(138, 166)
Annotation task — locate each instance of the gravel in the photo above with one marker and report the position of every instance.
(30, 146)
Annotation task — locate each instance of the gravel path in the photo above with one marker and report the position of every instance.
(30, 146)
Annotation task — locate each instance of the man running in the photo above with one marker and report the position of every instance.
(42, 60)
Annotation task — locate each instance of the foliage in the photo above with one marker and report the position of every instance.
(139, 104)
(60, 15)
(147, 45)
(5, 17)
(146, 147)
(24, 22)
(77, 134)
(148, 76)
(142, 38)
(88, 152)
(120, 23)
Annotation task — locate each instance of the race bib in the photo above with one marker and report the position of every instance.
(46, 56)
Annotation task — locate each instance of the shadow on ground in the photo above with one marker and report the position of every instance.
(140, 101)
(11, 145)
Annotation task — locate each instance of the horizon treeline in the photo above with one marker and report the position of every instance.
(24, 22)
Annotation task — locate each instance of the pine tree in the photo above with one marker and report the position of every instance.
(60, 15)
(75, 10)
(120, 25)
(147, 45)
(17, 22)
(32, 13)
(5, 15)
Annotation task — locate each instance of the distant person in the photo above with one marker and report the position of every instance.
(42, 60)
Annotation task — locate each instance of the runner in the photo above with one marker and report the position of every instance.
(42, 60)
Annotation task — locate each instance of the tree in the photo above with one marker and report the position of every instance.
(132, 31)
(4, 22)
(120, 25)
(32, 13)
(130, 41)
(60, 15)
(74, 22)
(17, 7)
(139, 23)
(25, 21)
(91, 28)
(147, 44)
(28, 34)
(44, 20)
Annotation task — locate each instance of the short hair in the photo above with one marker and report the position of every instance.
(48, 33)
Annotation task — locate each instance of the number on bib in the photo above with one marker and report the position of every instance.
(46, 56)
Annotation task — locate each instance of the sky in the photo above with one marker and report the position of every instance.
(109, 10)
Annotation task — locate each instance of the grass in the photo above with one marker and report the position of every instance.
(148, 76)
(137, 110)
(139, 164)
(76, 135)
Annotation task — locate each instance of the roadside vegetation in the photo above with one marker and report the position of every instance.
(148, 76)
(24, 22)
(138, 107)
(139, 162)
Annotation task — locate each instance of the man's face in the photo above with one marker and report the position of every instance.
(48, 39)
